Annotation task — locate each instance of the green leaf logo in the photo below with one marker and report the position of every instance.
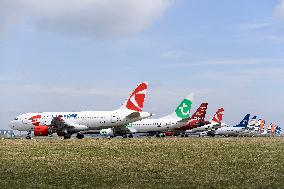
(183, 109)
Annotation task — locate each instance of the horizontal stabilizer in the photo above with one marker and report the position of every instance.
(133, 115)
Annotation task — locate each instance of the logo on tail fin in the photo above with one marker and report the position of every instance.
(136, 100)
(219, 115)
(183, 109)
(200, 113)
(244, 122)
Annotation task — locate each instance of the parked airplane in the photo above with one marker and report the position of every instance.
(235, 130)
(155, 126)
(209, 129)
(252, 128)
(197, 119)
(67, 123)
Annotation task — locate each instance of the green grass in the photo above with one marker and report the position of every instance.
(143, 163)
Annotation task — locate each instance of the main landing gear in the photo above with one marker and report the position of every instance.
(67, 136)
(127, 136)
(29, 135)
(80, 136)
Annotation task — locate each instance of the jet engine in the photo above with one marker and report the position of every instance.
(107, 132)
(41, 130)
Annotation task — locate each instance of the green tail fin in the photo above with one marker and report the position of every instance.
(183, 110)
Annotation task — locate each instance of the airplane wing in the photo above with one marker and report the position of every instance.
(133, 115)
(186, 120)
(59, 124)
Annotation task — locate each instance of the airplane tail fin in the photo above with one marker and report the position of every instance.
(273, 128)
(200, 113)
(278, 130)
(135, 101)
(183, 110)
(253, 122)
(262, 125)
(244, 122)
(218, 117)
(253, 119)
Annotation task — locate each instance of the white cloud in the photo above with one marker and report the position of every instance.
(227, 62)
(100, 18)
(280, 9)
(253, 26)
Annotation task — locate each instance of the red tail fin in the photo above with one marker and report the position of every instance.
(262, 125)
(273, 127)
(136, 100)
(200, 113)
(218, 117)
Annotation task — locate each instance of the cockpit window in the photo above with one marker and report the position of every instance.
(16, 118)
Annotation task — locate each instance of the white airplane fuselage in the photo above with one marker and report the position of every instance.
(84, 120)
(205, 128)
(230, 131)
(155, 125)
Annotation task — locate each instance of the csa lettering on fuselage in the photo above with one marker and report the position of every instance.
(68, 116)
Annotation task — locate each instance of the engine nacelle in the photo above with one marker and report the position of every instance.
(41, 130)
(107, 132)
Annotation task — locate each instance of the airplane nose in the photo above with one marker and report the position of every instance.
(12, 124)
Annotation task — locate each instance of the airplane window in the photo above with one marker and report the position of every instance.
(16, 118)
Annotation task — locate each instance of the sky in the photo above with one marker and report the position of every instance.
(73, 55)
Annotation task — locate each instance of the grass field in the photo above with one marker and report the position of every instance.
(143, 163)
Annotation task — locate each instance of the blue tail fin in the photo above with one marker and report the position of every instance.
(244, 122)
(278, 130)
(253, 118)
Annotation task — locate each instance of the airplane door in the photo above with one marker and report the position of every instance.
(168, 124)
(113, 119)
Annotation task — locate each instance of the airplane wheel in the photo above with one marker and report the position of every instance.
(79, 136)
(163, 135)
(28, 137)
(124, 136)
(67, 136)
(157, 135)
(182, 135)
(130, 136)
(185, 135)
